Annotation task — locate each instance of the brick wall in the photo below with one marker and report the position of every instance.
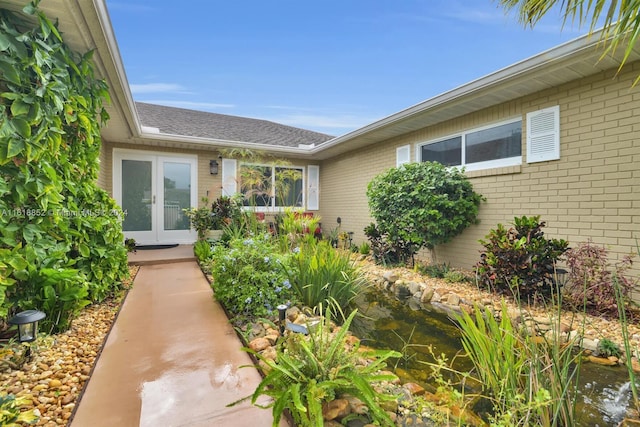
(591, 192)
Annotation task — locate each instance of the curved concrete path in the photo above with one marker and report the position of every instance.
(171, 359)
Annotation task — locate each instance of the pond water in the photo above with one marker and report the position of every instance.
(410, 327)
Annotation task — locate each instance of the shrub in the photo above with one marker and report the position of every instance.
(591, 284)
(202, 250)
(422, 205)
(200, 218)
(247, 276)
(311, 371)
(384, 250)
(607, 348)
(364, 248)
(520, 260)
(438, 271)
(454, 276)
(225, 210)
(323, 276)
(53, 214)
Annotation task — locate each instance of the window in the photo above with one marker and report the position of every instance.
(447, 152)
(271, 186)
(488, 147)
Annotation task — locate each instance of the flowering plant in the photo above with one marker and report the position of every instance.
(247, 276)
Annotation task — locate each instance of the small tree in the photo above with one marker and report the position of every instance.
(422, 205)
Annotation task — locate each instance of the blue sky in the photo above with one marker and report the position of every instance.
(327, 65)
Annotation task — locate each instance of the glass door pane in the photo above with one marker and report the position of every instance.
(177, 194)
(137, 195)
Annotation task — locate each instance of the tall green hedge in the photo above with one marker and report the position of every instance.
(54, 220)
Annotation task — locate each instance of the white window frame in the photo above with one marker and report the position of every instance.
(274, 208)
(491, 164)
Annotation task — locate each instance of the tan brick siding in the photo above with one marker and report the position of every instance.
(592, 192)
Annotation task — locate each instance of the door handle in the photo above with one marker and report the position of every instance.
(154, 199)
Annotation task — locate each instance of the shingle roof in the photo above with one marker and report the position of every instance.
(180, 121)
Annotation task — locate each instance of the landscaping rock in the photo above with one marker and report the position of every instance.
(337, 408)
(390, 276)
(259, 344)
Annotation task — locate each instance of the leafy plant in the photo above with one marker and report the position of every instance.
(130, 244)
(295, 226)
(384, 250)
(607, 348)
(10, 413)
(438, 271)
(247, 276)
(202, 250)
(311, 371)
(225, 210)
(322, 276)
(454, 276)
(592, 280)
(520, 260)
(364, 248)
(53, 214)
(528, 383)
(60, 293)
(421, 205)
(201, 218)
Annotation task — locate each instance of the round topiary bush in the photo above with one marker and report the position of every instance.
(421, 205)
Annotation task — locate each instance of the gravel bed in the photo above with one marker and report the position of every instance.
(60, 365)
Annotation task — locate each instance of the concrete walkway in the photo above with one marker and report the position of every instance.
(171, 359)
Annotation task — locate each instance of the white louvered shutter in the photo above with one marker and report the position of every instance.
(543, 135)
(229, 178)
(313, 187)
(403, 155)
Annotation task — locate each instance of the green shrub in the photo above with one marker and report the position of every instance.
(200, 219)
(520, 260)
(385, 250)
(311, 371)
(422, 205)
(248, 279)
(323, 276)
(364, 248)
(438, 271)
(202, 250)
(592, 280)
(607, 348)
(454, 276)
(53, 215)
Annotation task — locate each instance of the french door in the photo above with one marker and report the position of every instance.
(153, 189)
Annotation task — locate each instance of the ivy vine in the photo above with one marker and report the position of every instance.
(54, 219)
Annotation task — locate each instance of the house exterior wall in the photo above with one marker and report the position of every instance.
(591, 192)
(209, 186)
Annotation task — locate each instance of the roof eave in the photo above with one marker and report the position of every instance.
(576, 48)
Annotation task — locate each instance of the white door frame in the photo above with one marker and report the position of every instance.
(157, 235)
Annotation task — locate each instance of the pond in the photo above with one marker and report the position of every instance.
(406, 325)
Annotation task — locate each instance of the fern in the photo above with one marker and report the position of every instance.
(310, 371)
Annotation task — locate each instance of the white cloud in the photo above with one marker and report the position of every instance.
(191, 105)
(155, 88)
